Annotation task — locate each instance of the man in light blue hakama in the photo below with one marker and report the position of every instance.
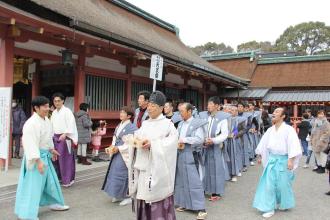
(280, 151)
(38, 184)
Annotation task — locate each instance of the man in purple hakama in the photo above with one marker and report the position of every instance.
(65, 133)
(152, 163)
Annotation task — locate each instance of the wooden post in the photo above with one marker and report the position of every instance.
(128, 91)
(36, 79)
(6, 62)
(295, 110)
(7, 77)
(204, 94)
(295, 115)
(79, 80)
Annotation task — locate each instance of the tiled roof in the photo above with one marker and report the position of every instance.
(256, 93)
(240, 67)
(226, 56)
(301, 74)
(138, 27)
(294, 59)
(298, 96)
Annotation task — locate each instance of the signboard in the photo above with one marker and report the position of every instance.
(156, 68)
(5, 114)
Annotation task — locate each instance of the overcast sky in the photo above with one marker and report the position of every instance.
(235, 21)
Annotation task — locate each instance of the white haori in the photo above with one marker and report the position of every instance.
(152, 172)
(283, 141)
(64, 122)
(37, 134)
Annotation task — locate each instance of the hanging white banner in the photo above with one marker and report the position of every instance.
(156, 67)
(5, 114)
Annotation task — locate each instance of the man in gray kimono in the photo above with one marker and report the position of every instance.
(188, 188)
(234, 144)
(253, 128)
(215, 167)
(244, 137)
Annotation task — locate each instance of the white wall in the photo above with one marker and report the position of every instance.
(213, 87)
(173, 78)
(47, 62)
(141, 71)
(105, 64)
(195, 83)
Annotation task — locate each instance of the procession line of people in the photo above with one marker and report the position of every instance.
(163, 161)
(177, 158)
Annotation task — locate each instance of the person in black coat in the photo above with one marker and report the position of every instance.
(18, 120)
(266, 121)
(304, 128)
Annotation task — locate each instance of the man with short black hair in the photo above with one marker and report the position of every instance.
(245, 139)
(174, 116)
(236, 129)
(38, 184)
(253, 130)
(189, 190)
(168, 109)
(217, 133)
(141, 113)
(304, 127)
(279, 151)
(65, 132)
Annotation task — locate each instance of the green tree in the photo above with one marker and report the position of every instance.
(212, 48)
(305, 38)
(264, 46)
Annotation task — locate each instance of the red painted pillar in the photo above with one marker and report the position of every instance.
(6, 62)
(295, 110)
(6, 75)
(128, 91)
(295, 115)
(79, 81)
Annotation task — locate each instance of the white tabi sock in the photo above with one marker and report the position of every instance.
(268, 214)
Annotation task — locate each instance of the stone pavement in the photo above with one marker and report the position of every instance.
(88, 202)
(11, 177)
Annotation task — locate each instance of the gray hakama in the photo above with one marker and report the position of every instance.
(257, 115)
(242, 140)
(215, 165)
(116, 180)
(250, 136)
(188, 188)
(245, 149)
(233, 149)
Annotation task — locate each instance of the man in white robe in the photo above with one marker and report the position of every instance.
(38, 184)
(280, 151)
(65, 132)
(152, 163)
